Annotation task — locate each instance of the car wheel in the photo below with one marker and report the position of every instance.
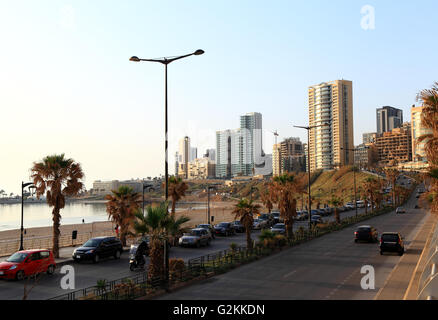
(401, 252)
(96, 258)
(198, 244)
(381, 252)
(20, 275)
(51, 270)
(131, 267)
(355, 240)
(117, 255)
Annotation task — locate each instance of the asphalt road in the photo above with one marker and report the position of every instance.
(325, 268)
(87, 273)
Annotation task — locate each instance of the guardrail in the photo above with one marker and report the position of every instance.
(428, 286)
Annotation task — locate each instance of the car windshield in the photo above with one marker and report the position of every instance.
(223, 224)
(390, 237)
(279, 226)
(237, 223)
(92, 243)
(276, 214)
(195, 233)
(204, 226)
(17, 257)
(256, 220)
(365, 229)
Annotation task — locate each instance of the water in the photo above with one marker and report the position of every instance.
(40, 215)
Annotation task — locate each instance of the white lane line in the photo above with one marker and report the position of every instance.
(289, 274)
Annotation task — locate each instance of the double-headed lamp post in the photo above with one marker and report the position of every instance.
(24, 185)
(354, 173)
(308, 128)
(166, 61)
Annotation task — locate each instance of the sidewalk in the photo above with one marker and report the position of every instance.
(405, 275)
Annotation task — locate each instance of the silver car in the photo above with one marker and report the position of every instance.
(279, 228)
(259, 224)
(196, 238)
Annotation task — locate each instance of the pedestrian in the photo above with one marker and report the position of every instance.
(117, 230)
(83, 221)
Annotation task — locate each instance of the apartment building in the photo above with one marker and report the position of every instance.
(331, 103)
(202, 169)
(395, 145)
(418, 152)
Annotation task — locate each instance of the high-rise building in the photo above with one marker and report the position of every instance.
(276, 159)
(210, 154)
(388, 118)
(184, 157)
(253, 123)
(223, 148)
(202, 169)
(332, 103)
(193, 153)
(418, 152)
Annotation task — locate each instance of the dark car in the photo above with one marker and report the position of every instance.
(277, 218)
(392, 242)
(238, 226)
(96, 248)
(366, 233)
(224, 228)
(209, 227)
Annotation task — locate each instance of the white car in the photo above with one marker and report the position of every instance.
(400, 210)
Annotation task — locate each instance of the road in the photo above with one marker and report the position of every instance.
(325, 268)
(87, 274)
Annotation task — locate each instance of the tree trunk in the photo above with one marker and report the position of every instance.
(156, 266)
(56, 233)
(173, 207)
(338, 218)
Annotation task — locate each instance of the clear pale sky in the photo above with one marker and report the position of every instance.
(67, 86)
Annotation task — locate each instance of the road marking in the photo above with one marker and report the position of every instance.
(289, 274)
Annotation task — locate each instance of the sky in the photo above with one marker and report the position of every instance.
(67, 85)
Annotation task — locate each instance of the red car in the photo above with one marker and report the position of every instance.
(26, 263)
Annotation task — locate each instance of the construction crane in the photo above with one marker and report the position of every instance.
(276, 135)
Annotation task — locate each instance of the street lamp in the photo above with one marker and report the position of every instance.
(24, 185)
(145, 186)
(166, 61)
(354, 174)
(208, 201)
(308, 128)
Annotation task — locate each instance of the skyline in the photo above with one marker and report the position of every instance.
(69, 87)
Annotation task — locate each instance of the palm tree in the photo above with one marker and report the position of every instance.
(285, 188)
(176, 229)
(177, 190)
(336, 202)
(266, 196)
(122, 205)
(244, 211)
(58, 177)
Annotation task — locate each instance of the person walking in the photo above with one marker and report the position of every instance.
(117, 230)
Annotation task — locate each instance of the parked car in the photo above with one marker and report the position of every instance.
(196, 238)
(360, 204)
(350, 205)
(316, 219)
(392, 242)
(366, 233)
(238, 226)
(224, 228)
(96, 248)
(269, 219)
(208, 227)
(259, 224)
(279, 228)
(400, 210)
(277, 218)
(27, 263)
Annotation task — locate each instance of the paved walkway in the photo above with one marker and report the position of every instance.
(403, 280)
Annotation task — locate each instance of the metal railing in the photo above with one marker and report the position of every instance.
(428, 285)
